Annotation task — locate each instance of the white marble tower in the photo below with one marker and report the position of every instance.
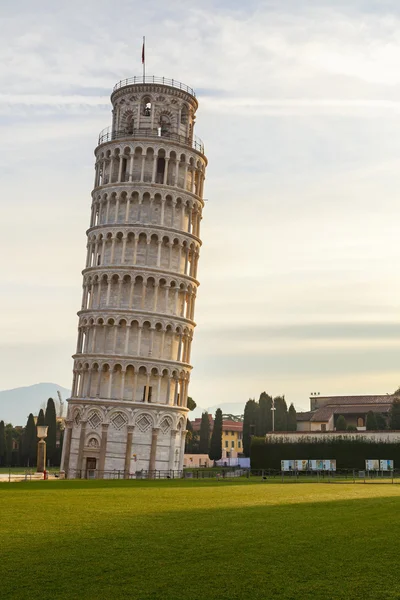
(128, 406)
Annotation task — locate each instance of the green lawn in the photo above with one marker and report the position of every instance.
(199, 540)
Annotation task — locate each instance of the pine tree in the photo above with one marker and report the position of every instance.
(204, 433)
(50, 420)
(341, 424)
(281, 413)
(215, 452)
(371, 422)
(249, 424)
(2, 444)
(40, 419)
(264, 416)
(191, 404)
(291, 419)
(395, 414)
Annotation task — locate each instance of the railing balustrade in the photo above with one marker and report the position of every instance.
(153, 79)
(108, 135)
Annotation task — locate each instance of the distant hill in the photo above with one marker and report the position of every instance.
(16, 404)
(233, 408)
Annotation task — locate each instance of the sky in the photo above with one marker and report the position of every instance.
(300, 116)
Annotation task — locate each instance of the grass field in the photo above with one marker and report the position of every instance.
(192, 540)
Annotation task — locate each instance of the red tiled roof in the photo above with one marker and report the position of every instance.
(227, 425)
(304, 416)
(382, 399)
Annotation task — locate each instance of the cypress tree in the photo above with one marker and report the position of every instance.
(291, 419)
(40, 419)
(30, 442)
(50, 419)
(215, 452)
(2, 444)
(371, 422)
(249, 424)
(9, 444)
(341, 424)
(189, 437)
(394, 419)
(281, 413)
(264, 416)
(204, 433)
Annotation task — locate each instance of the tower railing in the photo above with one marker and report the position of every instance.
(153, 79)
(108, 135)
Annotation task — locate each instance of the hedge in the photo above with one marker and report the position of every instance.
(349, 454)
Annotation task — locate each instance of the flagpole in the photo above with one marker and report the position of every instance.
(144, 58)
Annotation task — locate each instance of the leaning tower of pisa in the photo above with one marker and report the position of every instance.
(128, 405)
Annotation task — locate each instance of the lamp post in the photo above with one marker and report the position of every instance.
(273, 409)
(41, 452)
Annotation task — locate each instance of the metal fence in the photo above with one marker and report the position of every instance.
(261, 475)
(121, 474)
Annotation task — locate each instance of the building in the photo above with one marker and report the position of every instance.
(232, 435)
(127, 409)
(325, 410)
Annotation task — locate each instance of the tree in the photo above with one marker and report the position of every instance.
(2, 444)
(40, 419)
(29, 443)
(341, 424)
(191, 404)
(204, 433)
(50, 419)
(394, 417)
(264, 415)
(291, 419)
(215, 452)
(281, 413)
(249, 424)
(9, 443)
(371, 422)
(381, 421)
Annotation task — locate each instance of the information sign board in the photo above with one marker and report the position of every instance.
(386, 465)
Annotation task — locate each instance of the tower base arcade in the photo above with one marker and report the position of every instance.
(119, 439)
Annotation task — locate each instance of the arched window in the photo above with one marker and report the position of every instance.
(129, 124)
(360, 422)
(184, 114)
(165, 124)
(146, 107)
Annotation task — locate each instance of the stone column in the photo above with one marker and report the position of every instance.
(79, 462)
(182, 448)
(66, 447)
(172, 446)
(128, 451)
(103, 448)
(131, 168)
(153, 450)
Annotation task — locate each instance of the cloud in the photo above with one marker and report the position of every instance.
(299, 108)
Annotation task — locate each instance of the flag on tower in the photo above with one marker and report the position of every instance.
(143, 53)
